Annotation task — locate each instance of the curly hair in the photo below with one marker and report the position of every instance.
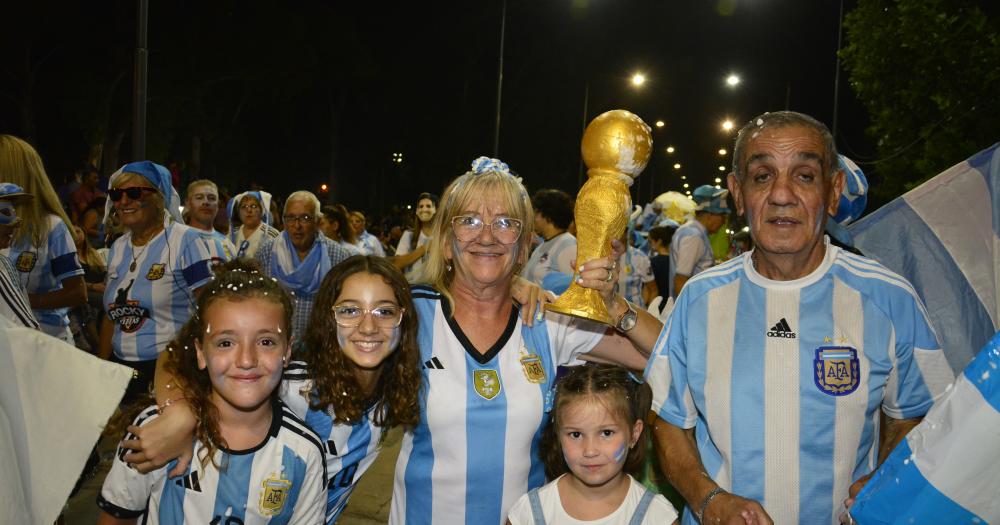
(395, 400)
(236, 280)
(612, 387)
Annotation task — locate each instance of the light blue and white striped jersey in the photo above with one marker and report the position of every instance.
(475, 450)
(220, 248)
(636, 270)
(350, 449)
(150, 304)
(42, 269)
(280, 481)
(554, 255)
(783, 380)
(352, 249)
(690, 252)
(370, 245)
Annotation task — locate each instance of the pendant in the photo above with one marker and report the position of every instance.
(131, 267)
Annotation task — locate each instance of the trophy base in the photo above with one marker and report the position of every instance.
(582, 302)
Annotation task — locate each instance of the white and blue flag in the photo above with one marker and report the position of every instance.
(943, 237)
(947, 470)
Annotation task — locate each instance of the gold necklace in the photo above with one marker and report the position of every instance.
(135, 257)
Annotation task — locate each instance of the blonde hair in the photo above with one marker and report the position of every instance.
(21, 165)
(199, 182)
(157, 198)
(468, 188)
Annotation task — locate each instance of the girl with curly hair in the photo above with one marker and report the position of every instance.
(360, 376)
(255, 457)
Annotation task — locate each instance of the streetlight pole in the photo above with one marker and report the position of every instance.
(139, 82)
(836, 76)
(496, 130)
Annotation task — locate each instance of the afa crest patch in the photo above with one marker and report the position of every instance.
(534, 371)
(272, 498)
(487, 383)
(26, 261)
(156, 271)
(837, 371)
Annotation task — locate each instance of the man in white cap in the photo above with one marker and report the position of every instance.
(690, 248)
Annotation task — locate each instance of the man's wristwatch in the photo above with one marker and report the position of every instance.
(627, 320)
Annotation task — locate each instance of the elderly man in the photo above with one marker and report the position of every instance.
(690, 247)
(201, 206)
(771, 371)
(301, 256)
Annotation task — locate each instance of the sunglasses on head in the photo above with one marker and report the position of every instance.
(134, 193)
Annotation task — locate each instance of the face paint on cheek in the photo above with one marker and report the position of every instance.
(621, 453)
(394, 337)
(341, 338)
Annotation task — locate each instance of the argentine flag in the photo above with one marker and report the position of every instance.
(947, 470)
(943, 237)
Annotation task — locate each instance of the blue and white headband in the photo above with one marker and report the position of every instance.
(159, 177)
(265, 202)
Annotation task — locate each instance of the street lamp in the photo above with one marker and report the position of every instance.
(397, 158)
(722, 168)
(677, 166)
(638, 79)
(733, 80)
(670, 149)
(728, 125)
(660, 123)
(722, 152)
(718, 180)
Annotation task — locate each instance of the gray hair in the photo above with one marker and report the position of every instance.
(308, 196)
(782, 119)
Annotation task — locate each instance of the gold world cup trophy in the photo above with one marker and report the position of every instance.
(616, 147)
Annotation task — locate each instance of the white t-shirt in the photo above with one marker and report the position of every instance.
(660, 510)
(553, 255)
(414, 270)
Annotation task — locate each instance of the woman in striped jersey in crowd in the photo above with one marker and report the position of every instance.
(42, 251)
(360, 377)
(256, 462)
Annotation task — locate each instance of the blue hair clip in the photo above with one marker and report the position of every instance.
(486, 164)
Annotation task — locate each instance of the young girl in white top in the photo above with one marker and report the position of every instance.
(595, 437)
(255, 461)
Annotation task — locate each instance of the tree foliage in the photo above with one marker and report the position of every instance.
(928, 71)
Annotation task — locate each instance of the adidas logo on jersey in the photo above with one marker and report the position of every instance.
(190, 481)
(433, 364)
(781, 329)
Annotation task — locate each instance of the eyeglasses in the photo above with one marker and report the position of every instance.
(249, 207)
(386, 316)
(301, 219)
(505, 229)
(134, 193)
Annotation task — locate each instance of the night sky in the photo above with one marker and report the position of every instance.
(295, 94)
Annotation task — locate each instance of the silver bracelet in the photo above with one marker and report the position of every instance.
(704, 503)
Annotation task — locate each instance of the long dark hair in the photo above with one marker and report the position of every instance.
(396, 397)
(609, 385)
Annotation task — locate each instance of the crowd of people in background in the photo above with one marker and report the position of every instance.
(294, 333)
